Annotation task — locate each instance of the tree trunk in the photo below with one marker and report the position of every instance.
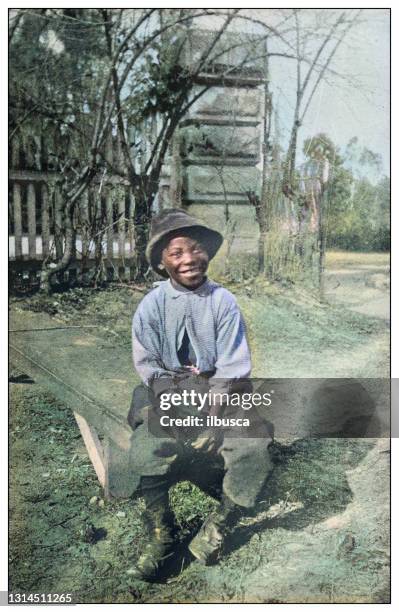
(265, 208)
(48, 272)
(322, 248)
(142, 221)
(176, 180)
(263, 228)
(261, 252)
(70, 199)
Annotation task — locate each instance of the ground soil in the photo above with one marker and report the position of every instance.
(321, 530)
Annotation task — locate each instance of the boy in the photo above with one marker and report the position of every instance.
(189, 331)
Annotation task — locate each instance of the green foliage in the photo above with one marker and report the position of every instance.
(356, 210)
(60, 63)
(359, 219)
(159, 82)
(190, 505)
(55, 63)
(321, 147)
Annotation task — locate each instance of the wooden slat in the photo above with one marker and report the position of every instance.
(37, 153)
(97, 205)
(31, 203)
(93, 446)
(15, 145)
(35, 176)
(91, 202)
(58, 223)
(45, 221)
(131, 221)
(17, 219)
(84, 210)
(121, 225)
(110, 229)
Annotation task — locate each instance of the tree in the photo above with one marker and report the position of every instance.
(126, 72)
(163, 83)
(317, 66)
(312, 47)
(357, 211)
(361, 221)
(263, 204)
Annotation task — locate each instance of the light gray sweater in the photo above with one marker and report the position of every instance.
(214, 324)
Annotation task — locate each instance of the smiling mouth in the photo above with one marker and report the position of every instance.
(191, 271)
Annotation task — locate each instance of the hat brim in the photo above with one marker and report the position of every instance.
(212, 239)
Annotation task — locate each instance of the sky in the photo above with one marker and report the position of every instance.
(362, 111)
(357, 106)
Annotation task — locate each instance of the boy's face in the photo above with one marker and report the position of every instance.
(186, 261)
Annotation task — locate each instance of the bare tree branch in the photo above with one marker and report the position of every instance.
(327, 62)
(13, 25)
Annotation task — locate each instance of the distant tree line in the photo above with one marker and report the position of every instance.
(358, 209)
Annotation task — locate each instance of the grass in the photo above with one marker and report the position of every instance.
(353, 258)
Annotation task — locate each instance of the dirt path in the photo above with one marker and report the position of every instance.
(362, 285)
(359, 285)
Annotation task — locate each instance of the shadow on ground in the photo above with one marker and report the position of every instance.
(308, 485)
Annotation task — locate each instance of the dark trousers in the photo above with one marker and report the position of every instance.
(237, 467)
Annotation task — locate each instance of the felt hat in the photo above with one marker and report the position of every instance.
(175, 222)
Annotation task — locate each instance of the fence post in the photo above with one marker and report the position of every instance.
(45, 221)
(15, 147)
(132, 205)
(57, 223)
(121, 230)
(17, 219)
(110, 228)
(84, 231)
(31, 202)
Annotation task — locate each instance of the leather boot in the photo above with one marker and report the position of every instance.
(160, 527)
(208, 542)
(159, 548)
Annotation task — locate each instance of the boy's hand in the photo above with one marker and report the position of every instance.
(206, 441)
(192, 369)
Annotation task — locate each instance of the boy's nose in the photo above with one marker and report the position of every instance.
(188, 257)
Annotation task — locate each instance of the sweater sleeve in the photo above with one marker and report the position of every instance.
(232, 350)
(147, 344)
